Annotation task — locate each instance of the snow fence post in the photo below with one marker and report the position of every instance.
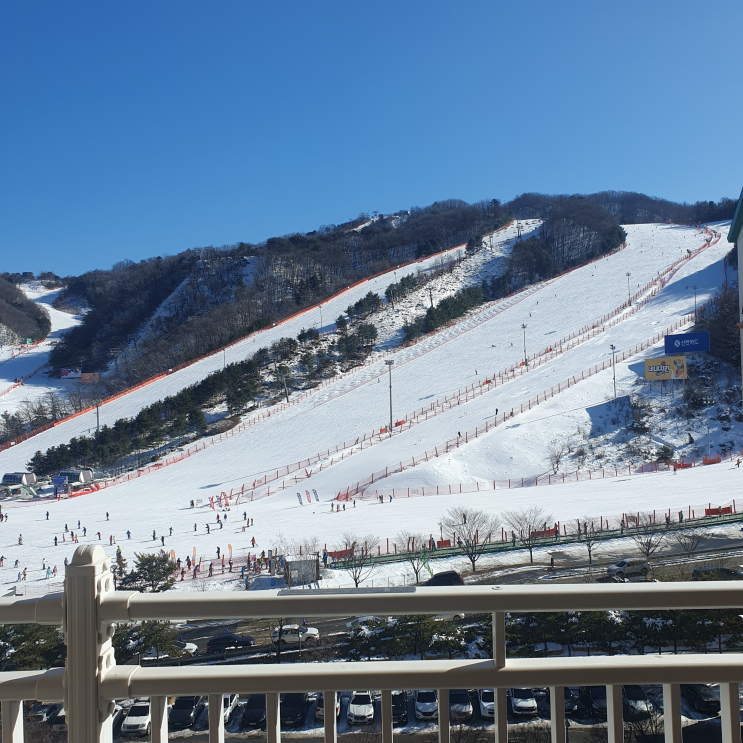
(89, 650)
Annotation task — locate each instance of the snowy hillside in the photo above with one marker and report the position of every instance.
(350, 410)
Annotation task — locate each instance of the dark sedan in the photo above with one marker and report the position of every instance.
(293, 709)
(701, 698)
(228, 641)
(593, 699)
(254, 713)
(399, 707)
(184, 711)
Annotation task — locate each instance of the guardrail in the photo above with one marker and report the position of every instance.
(91, 681)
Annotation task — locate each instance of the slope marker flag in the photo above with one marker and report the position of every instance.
(317, 497)
(299, 498)
(309, 499)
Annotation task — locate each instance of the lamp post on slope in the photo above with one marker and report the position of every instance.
(629, 296)
(389, 363)
(614, 368)
(523, 327)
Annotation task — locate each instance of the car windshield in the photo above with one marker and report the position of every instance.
(487, 695)
(257, 701)
(634, 693)
(185, 703)
(522, 694)
(458, 696)
(139, 710)
(426, 696)
(598, 692)
(707, 692)
(621, 563)
(361, 699)
(179, 644)
(399, 697)
(293, 699)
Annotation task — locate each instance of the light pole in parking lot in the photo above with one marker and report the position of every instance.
(389, 363)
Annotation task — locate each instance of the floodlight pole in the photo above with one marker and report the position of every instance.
(320, 307)
(629, 295)
(614, 368)
(526, 360)
(389, 363)
(694, 287)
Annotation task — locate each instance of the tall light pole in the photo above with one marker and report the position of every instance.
(629, 295)
(320, 306)
(523, 327)
(389, 363)
(694, 287)
(614, 367)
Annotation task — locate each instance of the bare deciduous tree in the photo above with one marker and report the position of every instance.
(555, 456)
(359, 563)
(589, 536)
(524, 523)
(647, 537)
(473, 530)
(690, 539)
(413, 544)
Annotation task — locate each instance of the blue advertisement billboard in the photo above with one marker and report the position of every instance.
(687, 343)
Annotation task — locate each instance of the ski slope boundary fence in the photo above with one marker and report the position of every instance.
(20, 384)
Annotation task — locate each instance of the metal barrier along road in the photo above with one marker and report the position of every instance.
(89, 609)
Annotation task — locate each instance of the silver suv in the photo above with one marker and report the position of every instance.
(627, 568)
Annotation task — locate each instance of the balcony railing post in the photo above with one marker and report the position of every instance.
(672, 713)
(386, 716)
(273, 722)
(557, 714)
(500, 702)
(443, 716)
(729, 713)
(614, 714)
(89, 651)
(159, 717)
(216, 719)
(329, 721)
(12, 722)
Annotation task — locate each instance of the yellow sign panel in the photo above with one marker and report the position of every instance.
(665, 367)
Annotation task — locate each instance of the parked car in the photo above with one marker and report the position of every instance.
(44, 712)
(254, 713)
(426, 704)
(185, 711)
(229, 704)
(593, 699)
(320, 706)
(58, 720)
(360, 708)
(138, 720)
(187, 648)
(716, 573)
(635, 702)
(361, 621)
(571, 701)
(701, 698)
(625, 568)
(399, 707)
(228, 641)
(486, 697)
(523, 702)
(293, 634)
(460, 706)
(446, 578)
(294, 708)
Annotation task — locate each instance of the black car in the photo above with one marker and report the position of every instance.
(399, 707)
(184, 711)
(543, 697)
(228, 641)
(447, 578)
(460, 706)
(716, 573)
(293, 708)
(635, 702)
(593, 699)
(254, 713)
(701, 698)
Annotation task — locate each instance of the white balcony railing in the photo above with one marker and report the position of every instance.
(89, 608)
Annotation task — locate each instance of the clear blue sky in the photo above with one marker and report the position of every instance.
(142, 128)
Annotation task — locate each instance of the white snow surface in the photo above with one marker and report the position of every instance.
(359, 403)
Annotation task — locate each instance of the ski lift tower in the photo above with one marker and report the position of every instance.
(735, 236)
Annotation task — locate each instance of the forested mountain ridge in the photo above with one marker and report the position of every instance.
(20, 318)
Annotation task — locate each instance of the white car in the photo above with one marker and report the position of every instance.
(523, 702)
(320, 706)
(360, 708)
(293, 634)
(138, 720)
(361, 621)
(426, 704)
(486, 698)
(186, 647)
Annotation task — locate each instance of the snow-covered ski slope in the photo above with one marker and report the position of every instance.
(160, 500)
(33, 359)
(130, 404)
